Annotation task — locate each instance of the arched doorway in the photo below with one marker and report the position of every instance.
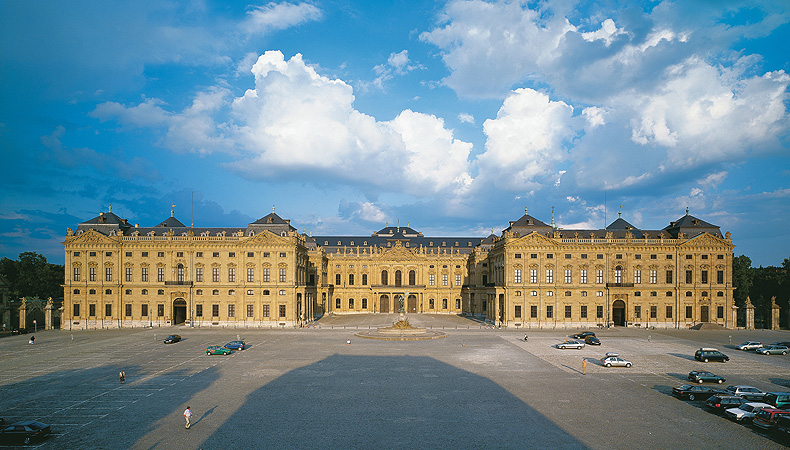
(618, 313)
(412, 302)
(179, 311)
(384, 304)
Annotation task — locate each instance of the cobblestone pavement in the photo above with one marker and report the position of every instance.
(478, 388)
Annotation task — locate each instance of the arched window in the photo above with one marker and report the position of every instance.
(398, 280)
(384, 280)
(160, 292)
(92, 291)
(76, 291)
(108, 291)
(412, 278)
(180, 272)
(618, 274)
(128, 292)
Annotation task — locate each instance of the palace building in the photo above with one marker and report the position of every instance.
(267, 274)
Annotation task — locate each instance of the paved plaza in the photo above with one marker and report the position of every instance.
(478, 388)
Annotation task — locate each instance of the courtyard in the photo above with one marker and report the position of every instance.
(307, 388)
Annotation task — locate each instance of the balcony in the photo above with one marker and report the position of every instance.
(178, 283)
(616, 285)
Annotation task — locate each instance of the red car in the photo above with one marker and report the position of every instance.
(766, 418)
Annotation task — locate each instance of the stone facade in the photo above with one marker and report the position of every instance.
(266, 274)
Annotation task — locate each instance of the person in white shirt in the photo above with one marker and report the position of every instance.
(188, 416)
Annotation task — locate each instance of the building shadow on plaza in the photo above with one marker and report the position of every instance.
(365, 402)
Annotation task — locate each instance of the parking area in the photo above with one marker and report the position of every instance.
(308, 388)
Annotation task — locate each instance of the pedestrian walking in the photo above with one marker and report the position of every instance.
(348, 341)
(584, 367)
(32, 339)
(122, 376)
(188, 416)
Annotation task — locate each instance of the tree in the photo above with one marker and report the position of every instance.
(32, 276)
(742, 278)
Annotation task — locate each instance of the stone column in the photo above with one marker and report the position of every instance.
(774, 314)
(48, 315)
(749, 314)
(734, 319)
(23, 314)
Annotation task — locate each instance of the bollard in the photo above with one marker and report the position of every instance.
(648, 338)
(730, 340)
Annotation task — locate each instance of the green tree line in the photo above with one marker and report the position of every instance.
(760, 284)
(32, 276)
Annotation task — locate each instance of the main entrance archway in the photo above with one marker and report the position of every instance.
(384, 304)
(618, 313)
(179, 311)
(412, 303)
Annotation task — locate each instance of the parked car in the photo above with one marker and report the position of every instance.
(217, 350)
(766, 418)
(749, 345)
(694, 392)
(718, 403)
(745, 412)
(571, 344)
(783, 428)
(748, 392)
(772, 350)
(236, 345)
(782, 343)
(173, 338)
(614, 359)
(583, 335)
(26, 431)
(780, 400)
(592, 340)
(698, 376)
(710, 354)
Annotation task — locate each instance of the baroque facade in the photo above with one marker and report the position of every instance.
(532, 275)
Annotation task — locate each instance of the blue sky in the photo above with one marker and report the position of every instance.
(449, 116)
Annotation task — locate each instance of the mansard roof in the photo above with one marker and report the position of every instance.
(620, 224)
(691, 226)
(171, 222)
(529, 223)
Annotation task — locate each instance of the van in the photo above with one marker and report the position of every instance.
(779, 399)
(710, 354)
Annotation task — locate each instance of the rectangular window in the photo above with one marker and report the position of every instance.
(76, 311)
(282, 254)
(92, 274)
(76, 274)
(599, 276)
(214, 310)
(199, 310)
(549, 275)
(533, 311)
(583, 279)
(231, 310)
(351, 279)
(533, 276)
(720, 277)
(653, 312)
(250, 274)
(444, 280)
(637, 276)
(431, 279)
(107, 310)
(653, 276)
(338, 279)
(282, 310)
(669, 277)
(719, 312)
(250, 254)
(689, 276)
(231, 254)
(198, 254)
(92, 310)
(250, 311)
(458, 279)
(199, 274)
(637, 312)
(282, 275)
(689, 312)
(144, 310)
(265, 311)
(669, 312)
(128, 310)
(351, 303)
(144, 274)
(567, 311)
(215, 274)
(517, 312)
(549, 311)
(568, 276)
(160, 310)
(364, 279)
(364, 303)
(704, 277)
(231, 274)
(160, 274)
(517, 276)
(266, 275)
(583, 311)
(599, 312)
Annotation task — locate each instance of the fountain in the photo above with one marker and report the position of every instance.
(402, 330)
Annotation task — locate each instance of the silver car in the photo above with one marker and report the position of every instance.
(745, 412)
(749, 345)
(613, 359)
(571, 344)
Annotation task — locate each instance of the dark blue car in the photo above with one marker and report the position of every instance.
(235, 345)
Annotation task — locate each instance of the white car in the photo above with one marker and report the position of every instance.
(571, 344)
(746, 411)
(613, 359)
(749, 345)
